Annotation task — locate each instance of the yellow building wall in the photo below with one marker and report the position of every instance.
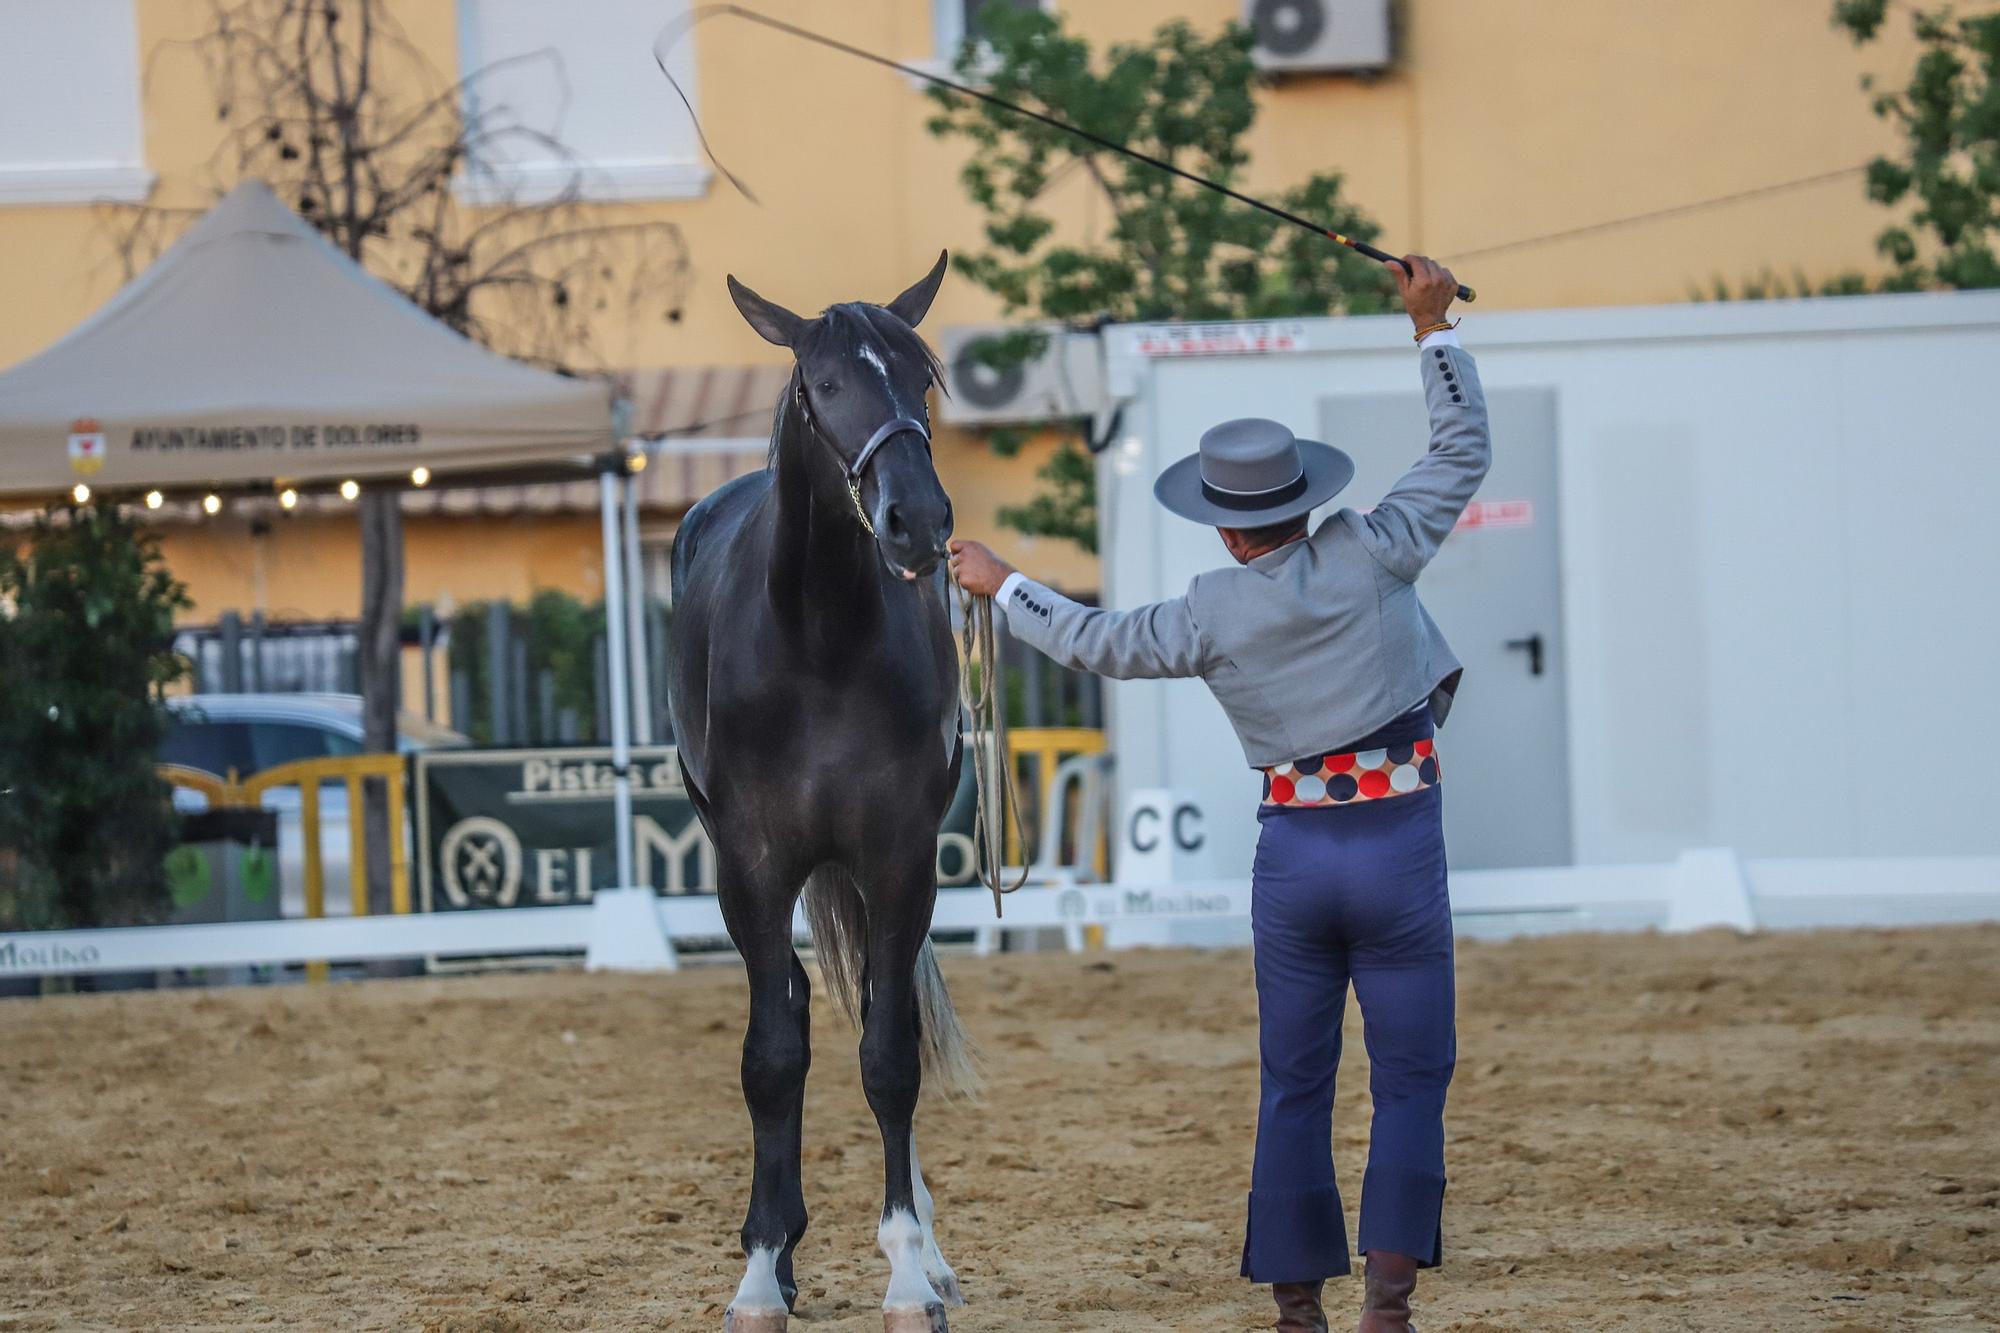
(1502, 120)
(308, 568)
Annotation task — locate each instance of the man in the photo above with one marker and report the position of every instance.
(1334, 678)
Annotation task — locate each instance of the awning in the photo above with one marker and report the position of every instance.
(253, 351)
(703, 426)
(727, 407)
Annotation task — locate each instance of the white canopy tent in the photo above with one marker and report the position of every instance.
(254, 356)
(253, 352)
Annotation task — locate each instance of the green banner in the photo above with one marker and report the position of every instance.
(533, 828)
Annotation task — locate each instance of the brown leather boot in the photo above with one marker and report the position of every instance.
(1385, 1305)
(1298, 1307)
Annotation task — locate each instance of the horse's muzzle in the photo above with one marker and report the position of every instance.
(912, 533)
(911, 568)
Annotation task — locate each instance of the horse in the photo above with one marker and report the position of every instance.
(814, 689)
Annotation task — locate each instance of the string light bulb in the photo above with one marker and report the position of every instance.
(350, 489)
(635, 462)
(154, 499)
(288, 498)
(420, 476)
(211, 504)
(80, 493)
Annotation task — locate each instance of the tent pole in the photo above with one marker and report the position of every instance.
(635, 620)
(614, 628)
(626, 931)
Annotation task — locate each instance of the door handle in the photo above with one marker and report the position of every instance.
(1532, 646)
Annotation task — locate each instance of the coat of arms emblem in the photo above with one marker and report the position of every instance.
(86, 446)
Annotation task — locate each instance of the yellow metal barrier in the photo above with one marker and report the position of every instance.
(194, 779)
(1049, 746)
(307, 775)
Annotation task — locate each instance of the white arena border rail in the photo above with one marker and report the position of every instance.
(1702, 889)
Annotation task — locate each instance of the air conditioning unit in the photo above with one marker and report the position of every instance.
(1066, 380)
(1351, 36)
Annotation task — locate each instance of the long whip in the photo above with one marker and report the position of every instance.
(673, 32)
(992, 764)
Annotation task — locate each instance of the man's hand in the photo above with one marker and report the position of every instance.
(1428, 289)
(977, 569)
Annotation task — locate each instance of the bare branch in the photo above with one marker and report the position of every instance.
(332, 104)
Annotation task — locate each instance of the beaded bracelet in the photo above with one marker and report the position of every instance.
(1439, 327)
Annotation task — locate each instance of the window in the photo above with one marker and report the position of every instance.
(69, 103)
(953, 22)
(580, 83)
(274, 743)
(220, 748)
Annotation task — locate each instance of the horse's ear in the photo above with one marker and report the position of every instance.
(772, 321)
(914, 304)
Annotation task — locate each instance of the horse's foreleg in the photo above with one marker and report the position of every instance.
(935, 1268)
(776, 1054)
(892, 1075)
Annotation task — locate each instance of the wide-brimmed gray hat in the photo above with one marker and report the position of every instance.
(1251, 472)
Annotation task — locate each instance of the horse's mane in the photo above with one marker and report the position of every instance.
(839, 330)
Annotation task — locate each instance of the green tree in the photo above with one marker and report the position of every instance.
(561, 633)
(1948, 167)
(85, 646)
(1172, 251)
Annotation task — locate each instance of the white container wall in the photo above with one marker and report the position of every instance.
(1772, 534)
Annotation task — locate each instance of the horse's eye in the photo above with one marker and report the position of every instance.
(827, 386)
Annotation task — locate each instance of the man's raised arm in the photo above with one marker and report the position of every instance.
(1407, 526)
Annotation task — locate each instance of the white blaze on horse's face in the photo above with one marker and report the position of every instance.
(874, 358)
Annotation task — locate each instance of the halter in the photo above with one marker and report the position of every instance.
(893, 427)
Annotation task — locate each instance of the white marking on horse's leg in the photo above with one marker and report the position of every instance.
(759, 1306)
(935, 1268)
(901, 1237)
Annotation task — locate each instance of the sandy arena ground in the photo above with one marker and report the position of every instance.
(1698, 1133)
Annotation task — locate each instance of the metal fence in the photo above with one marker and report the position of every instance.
(239, 656)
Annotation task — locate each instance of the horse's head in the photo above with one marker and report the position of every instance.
(861, 380)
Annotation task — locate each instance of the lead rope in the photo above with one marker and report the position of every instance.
(986, 706)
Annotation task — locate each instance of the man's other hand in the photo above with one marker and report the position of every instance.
(977, 569)
(1428, 289)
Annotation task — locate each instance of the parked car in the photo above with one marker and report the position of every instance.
(248, 733)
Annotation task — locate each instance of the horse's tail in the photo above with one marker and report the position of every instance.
(839, 920)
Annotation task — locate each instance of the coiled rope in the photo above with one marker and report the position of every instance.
(996, 799)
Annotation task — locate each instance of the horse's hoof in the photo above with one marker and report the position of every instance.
(930, 1319)
(755, 1321)
(946, 1285)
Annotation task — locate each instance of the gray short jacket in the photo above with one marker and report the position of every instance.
(1320, 642)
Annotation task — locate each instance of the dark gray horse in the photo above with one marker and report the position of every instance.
(815, 702)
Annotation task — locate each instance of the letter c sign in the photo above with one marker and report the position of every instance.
(1166, 837)
(1143, 843)
(1187, 827)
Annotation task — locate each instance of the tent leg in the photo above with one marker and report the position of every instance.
(635, 620)
(628, 931)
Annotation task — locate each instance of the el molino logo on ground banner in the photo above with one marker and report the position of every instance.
(25, 955)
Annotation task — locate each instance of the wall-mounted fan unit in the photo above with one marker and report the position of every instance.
(1066, 380)
(1336, 36)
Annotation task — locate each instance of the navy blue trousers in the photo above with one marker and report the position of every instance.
(1350, 894)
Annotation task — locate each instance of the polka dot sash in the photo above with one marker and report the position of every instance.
(1347, 779)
